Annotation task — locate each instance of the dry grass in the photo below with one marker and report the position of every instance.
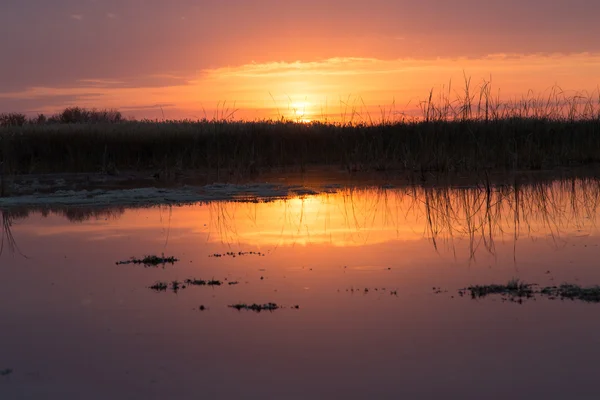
(440, 146)
(473, 131)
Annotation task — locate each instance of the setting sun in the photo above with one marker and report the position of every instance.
(300, 111)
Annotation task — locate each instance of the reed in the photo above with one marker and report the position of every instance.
(475, 131)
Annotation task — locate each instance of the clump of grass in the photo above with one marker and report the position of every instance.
(573, 292)
(238, 254)
(201, 282)
(514, 288)
(255, 307)
(160, 286)
(150, 261)
(195, 282)
(163, 286)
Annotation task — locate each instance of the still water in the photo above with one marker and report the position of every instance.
(375, 273)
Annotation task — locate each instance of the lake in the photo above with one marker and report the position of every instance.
(371, 284)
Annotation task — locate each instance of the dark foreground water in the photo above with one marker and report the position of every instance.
(375, 274)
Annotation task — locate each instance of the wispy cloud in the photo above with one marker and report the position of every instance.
(316, 84)
(111, 15)
(77, 17)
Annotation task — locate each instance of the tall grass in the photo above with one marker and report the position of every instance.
(470, 130)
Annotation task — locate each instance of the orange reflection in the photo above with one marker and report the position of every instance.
(471, 219)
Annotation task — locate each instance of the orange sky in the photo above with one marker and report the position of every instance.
(303, 61)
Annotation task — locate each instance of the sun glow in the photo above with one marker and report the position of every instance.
(300, 111)
(355, 89)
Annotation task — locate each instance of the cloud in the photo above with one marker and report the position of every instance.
(315, 84)
(111, 15)
(77, 17)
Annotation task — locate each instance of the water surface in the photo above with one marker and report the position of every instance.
(375, 273)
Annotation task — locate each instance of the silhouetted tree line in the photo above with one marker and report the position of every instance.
(70, 115)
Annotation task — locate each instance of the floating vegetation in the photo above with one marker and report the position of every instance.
(365, 290)
(233, 283)
(514, 288)
(201, 282)
(256, 307)
(195, 282)
(150, 261)
(573, 292)
(163, 286)
(176, 285)
(517, 291)
(160, 286)
(201, 308)
(238, 254)
(6, 372)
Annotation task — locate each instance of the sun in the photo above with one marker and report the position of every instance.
(299, 107)
(300, 111)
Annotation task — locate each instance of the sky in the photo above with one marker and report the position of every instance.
(301, 59)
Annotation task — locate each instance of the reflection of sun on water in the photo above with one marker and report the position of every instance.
(446, 217)
(309, 205)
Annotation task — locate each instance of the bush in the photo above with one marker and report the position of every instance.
(12, 119)
(78, 115)
(39, 120)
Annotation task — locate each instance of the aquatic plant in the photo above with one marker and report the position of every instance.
(150, 261)
(573, 292)
(160, 286)
(255, 307)
(514, 288)
(195, 282)
(201, 282)
(238, 254)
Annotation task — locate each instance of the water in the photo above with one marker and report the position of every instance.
(361, 264)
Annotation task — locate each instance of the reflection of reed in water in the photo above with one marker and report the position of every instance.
(8, 239)
(487, 212)
(72, 214)
(479, 215)
(468, 218)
